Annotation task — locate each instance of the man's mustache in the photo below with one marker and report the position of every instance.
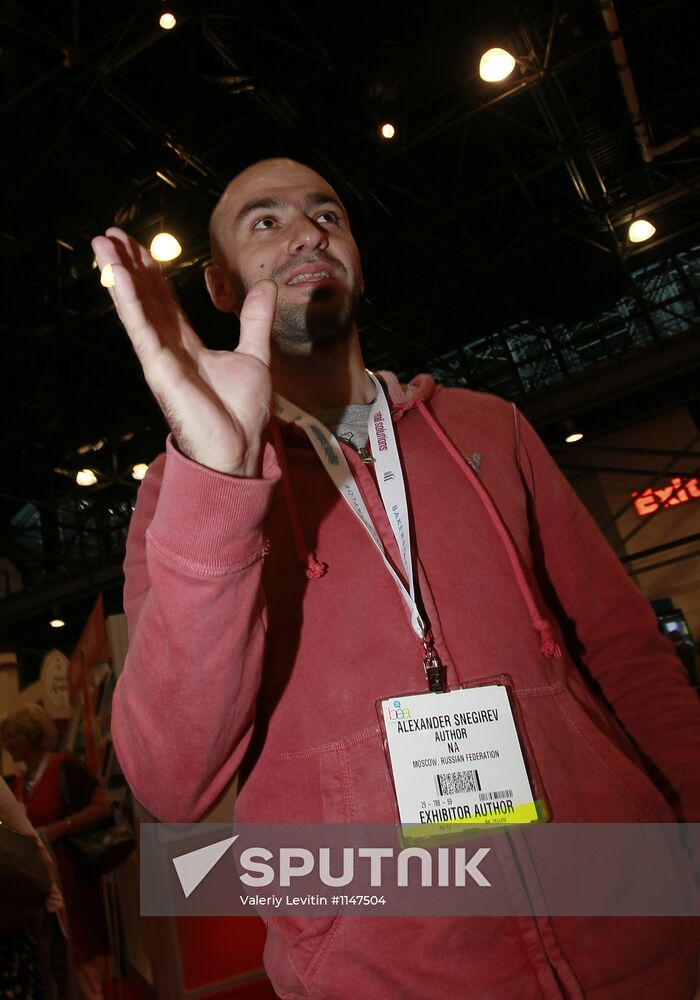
(281, 272)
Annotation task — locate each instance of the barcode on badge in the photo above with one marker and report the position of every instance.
(507, 793)
(458, 782)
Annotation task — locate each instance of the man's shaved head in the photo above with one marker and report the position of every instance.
(252, 176)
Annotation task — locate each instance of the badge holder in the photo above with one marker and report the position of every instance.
(460, 761)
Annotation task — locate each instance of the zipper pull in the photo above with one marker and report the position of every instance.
(365, 456)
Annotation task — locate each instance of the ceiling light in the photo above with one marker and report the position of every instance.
(164, 247)
(107, 276)
(167, 21)
(166, 180)
(495, 65)
(139, 470)
(640, 230)
(86, 477)
(85, 448)
(387, 130)
(573, 434)
(57, 623)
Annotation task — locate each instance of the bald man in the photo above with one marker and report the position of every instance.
(285, 261)
(318, 541)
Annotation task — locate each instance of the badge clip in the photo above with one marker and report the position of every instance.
(433, 667)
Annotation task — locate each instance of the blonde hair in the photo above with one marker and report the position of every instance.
(34, 723)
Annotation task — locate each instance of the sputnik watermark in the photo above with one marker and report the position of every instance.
(314, 869)
(452, 866)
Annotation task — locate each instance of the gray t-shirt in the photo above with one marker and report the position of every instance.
(349, 424)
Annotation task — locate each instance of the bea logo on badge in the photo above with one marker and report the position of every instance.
(396, 713)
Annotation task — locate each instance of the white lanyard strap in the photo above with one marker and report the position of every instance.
(389, 479)
(28, 787)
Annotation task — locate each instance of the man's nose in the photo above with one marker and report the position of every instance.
(306, 234)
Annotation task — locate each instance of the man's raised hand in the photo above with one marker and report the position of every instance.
(217, 403)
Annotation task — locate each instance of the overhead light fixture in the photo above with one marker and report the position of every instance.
(166, 180)
(573, 434)
(139, 470)
(165, 247)
(640, 230)
(107, 276)
(387, 130)
(86, 477)
(57, 623)
(496, 64)
(85, 448)
(167, 21)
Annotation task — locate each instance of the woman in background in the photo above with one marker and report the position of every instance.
(20, 963)
(29, 735)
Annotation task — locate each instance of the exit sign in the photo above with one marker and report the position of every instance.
(676, 492)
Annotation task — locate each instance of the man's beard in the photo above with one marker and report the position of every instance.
(327, 317)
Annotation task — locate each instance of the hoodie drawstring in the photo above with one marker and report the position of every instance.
(548, 645)
(314, 567)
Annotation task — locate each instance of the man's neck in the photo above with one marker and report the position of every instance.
(326, 379)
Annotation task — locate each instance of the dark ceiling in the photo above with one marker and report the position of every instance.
(492, 227)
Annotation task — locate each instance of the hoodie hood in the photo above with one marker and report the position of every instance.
(404, 397)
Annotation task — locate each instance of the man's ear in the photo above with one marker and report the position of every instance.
(220, 290)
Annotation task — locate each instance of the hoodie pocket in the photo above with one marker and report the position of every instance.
(346, 781)
(587, 764)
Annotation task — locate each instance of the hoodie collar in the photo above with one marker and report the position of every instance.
(402, 398)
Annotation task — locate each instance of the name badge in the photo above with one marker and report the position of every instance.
(456, 759)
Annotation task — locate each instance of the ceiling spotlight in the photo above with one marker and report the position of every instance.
(107, 277)
(495, 65)
(166, 180)
(86, 477)
(165, 247)
(57, 623)
(640, 230)
(139, 470)
(573, 434)
(387, 130)
(167, 21)
(85, 448)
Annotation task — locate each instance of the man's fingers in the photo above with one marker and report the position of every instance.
(145, 304)
(129, 248)
(257, 316)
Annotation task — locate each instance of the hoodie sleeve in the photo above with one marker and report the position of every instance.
(614, 626)
(184, 704)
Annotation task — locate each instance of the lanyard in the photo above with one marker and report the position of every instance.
(28, 788)
(392, 490)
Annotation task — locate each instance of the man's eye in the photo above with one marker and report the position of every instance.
(266, 223)
(329, 216)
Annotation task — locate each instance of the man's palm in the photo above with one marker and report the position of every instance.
(216, 402)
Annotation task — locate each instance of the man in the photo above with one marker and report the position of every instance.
(267, 620)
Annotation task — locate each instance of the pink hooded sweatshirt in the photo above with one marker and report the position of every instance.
(264, 627)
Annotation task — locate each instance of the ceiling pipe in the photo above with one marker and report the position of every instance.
(649, 151)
